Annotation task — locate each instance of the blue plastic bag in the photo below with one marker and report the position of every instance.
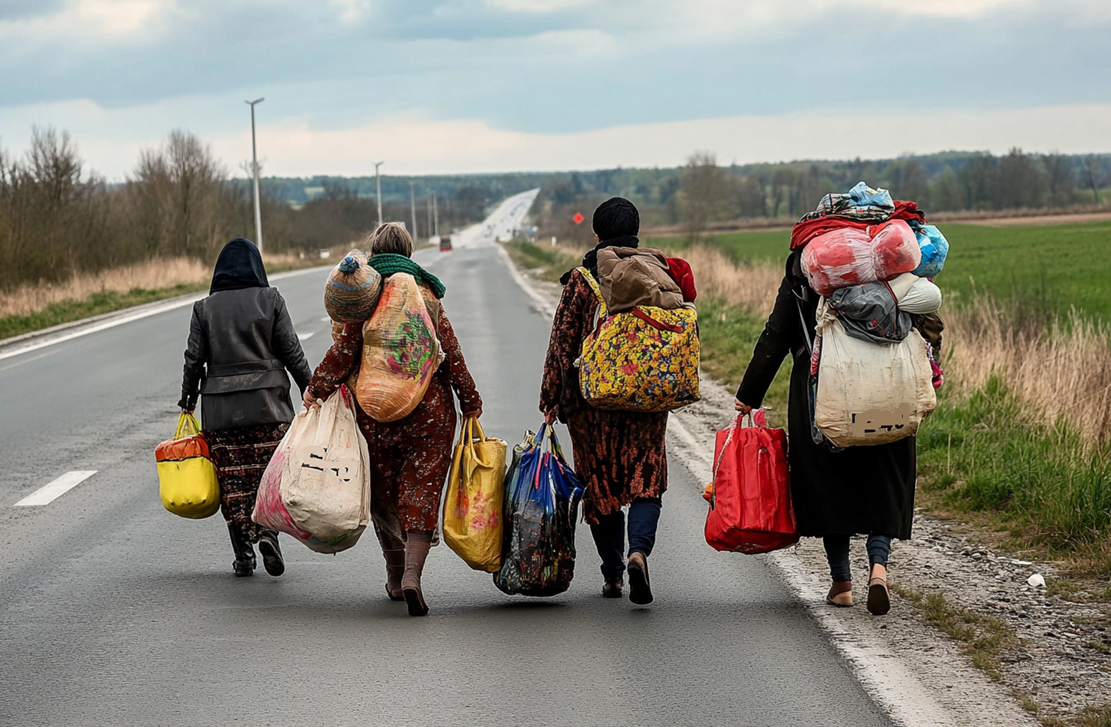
(934, 248)
(864, 196)
(542, 499)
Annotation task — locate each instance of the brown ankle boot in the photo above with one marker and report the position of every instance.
(417, 543)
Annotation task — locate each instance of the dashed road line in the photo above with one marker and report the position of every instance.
(305, 336)
(49, 493)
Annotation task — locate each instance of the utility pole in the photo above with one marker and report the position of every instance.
(435, 215)
(254, 168)
(378, 181)
(413, 209)
(428, 203)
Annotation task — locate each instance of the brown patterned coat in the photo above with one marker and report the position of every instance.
(409, 458)
(619, 455)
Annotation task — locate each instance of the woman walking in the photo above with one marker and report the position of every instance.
(867, 490)
(619, 455)
(241, 343)
(410, 457)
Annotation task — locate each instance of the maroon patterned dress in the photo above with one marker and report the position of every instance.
(619, 455)
(409, 458)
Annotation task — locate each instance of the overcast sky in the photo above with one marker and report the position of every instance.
(436, 86)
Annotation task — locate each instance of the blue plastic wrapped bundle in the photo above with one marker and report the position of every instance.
(542, 498)
(934, 248)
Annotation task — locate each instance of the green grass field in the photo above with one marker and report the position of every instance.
(1048, 268)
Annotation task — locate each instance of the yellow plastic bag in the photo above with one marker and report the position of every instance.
(186, 475)
(473, 507)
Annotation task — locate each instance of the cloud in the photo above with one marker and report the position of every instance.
(535, 6)
(98, 20)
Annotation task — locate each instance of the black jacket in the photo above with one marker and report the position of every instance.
(241, 342)
(857, 490)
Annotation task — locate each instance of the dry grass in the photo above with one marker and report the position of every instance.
(752, 288)
(1059, 370)
(30, 299)
(160, 274)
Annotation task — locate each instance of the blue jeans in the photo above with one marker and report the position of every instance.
(609, 534)
(837, 554)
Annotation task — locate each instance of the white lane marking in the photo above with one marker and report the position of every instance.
(137, 315)
(325, 319)
(49, 493)
(305, 336)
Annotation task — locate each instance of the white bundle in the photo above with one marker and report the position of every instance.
(916, 295)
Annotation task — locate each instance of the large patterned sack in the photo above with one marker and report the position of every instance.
(848, 256)
(317, 485)
(643, 360)
(401, 352)
(352, 289)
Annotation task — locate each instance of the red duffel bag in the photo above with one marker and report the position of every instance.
(750, 504)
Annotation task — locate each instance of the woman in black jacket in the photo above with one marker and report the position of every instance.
(867, 490)
(241, 342)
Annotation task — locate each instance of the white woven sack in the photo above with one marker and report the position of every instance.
(870, 393)
(326, 482)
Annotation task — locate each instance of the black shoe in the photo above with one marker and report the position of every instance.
(244, 564)
(640, 592)
(414, 599)
(612, 589)
(271, 554)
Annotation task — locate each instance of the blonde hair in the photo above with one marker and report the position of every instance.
(391, 237)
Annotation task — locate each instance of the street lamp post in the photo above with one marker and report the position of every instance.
(254, 168)
(428, 203)
(413, 209)
(378, 182)
(435, 215)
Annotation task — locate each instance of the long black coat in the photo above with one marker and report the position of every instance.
(867, 490)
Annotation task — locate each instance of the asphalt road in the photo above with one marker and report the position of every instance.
(115, 612)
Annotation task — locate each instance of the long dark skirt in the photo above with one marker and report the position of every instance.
(240, 456)
(866, 490)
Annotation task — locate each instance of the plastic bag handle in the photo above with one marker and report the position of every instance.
(468, 433)
(187, 426)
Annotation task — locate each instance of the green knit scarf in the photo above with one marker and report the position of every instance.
(387, 264)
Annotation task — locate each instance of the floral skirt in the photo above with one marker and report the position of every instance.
(240, 456)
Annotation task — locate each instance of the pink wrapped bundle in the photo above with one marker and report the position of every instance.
(849, 256)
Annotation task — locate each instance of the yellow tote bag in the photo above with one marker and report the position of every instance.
(473, 508)
(186, 475)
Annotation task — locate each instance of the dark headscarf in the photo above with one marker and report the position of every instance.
(239, 266)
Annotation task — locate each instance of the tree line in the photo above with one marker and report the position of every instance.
(703, 192)
(59, 218)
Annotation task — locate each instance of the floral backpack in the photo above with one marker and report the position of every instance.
(644, 360)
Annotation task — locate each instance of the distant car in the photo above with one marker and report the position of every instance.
(445, 243)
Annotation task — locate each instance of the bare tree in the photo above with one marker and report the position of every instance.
(1059, 177)
(703, 193)
(1093, 175)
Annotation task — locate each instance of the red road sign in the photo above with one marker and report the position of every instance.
(578, 218)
